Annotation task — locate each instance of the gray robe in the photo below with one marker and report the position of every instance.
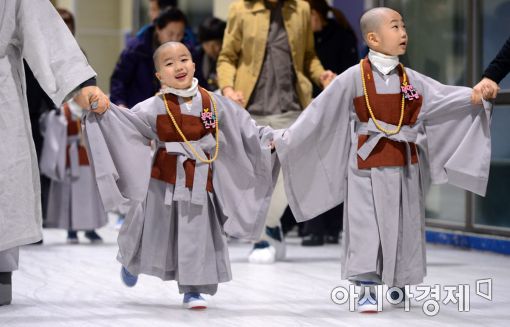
(73, 199)
(384, 207)
(33, 30)
(170, 231)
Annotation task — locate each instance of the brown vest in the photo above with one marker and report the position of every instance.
(164, 167)
(386, 107)
(74, 128)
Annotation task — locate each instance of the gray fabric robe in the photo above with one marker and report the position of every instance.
(384, 207)
(73, 199)
(33, 30)
(172, 232)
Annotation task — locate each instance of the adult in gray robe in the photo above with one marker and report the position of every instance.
(171, 231)
(383, 207)
(30, 30)
(73, 200)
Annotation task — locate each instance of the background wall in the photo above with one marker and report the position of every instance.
(101, 29)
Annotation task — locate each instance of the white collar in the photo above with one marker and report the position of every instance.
(190, 92)
(384, 63)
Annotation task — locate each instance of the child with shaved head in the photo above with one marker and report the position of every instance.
(210, 176)
(377, 137)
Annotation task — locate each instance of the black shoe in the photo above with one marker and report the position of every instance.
(5, 288)
(331, 239)
(93, 237)
(72, 237)
(313, 240)
(394, 295)
(274, 233)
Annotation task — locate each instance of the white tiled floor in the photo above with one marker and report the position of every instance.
(79, 285)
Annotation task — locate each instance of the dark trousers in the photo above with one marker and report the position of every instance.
(328, 223)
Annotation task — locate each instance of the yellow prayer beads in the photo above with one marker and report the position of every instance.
(379, 127)
(217, 129)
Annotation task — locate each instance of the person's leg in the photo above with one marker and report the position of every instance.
(8, 263)
(288, 221)
(315, 230)
(271, 246)
(333, 222)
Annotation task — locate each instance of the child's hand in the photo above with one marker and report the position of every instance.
(92, 98)
(486, 89)
(272, 145)
(234, 95)
(326, 78)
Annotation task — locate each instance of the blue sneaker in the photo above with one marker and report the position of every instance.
(193, 300)
(367, 302)
(128, 279)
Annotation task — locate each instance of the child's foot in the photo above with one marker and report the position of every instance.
(72, 237)
(269, 251)
(367, 302)
(93, 237)
(193, 300)
(394, 295)
(128, 279)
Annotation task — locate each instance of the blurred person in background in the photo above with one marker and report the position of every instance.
(73, 201)
(133, 79)
(336, 46)
(210, 36)
(267, 64)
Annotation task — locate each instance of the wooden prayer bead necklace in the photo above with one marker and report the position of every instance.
(379, 127)
(186, 140)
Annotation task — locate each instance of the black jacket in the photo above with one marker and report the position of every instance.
(500, 66)
(336, 48)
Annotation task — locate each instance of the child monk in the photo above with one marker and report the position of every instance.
(374, 140)
(211, 176)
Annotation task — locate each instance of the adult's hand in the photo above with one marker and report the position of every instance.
(234, 95)
(92, 98)
(327, 77)
(486, 88)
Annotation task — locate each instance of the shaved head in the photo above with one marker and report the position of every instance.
(165, 46)
(373, 18)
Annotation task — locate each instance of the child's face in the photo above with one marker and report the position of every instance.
(391, 36)
(176, 67)
(172, 32)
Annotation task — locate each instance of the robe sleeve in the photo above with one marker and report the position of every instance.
(244, 173)
(50, 49)
(456, 141)
(53, 156)
(314, 151)
(120, 154)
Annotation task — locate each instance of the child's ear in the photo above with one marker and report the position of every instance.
(372, 38)
(158, 76)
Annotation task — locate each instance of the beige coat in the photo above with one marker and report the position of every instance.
(244, 43)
